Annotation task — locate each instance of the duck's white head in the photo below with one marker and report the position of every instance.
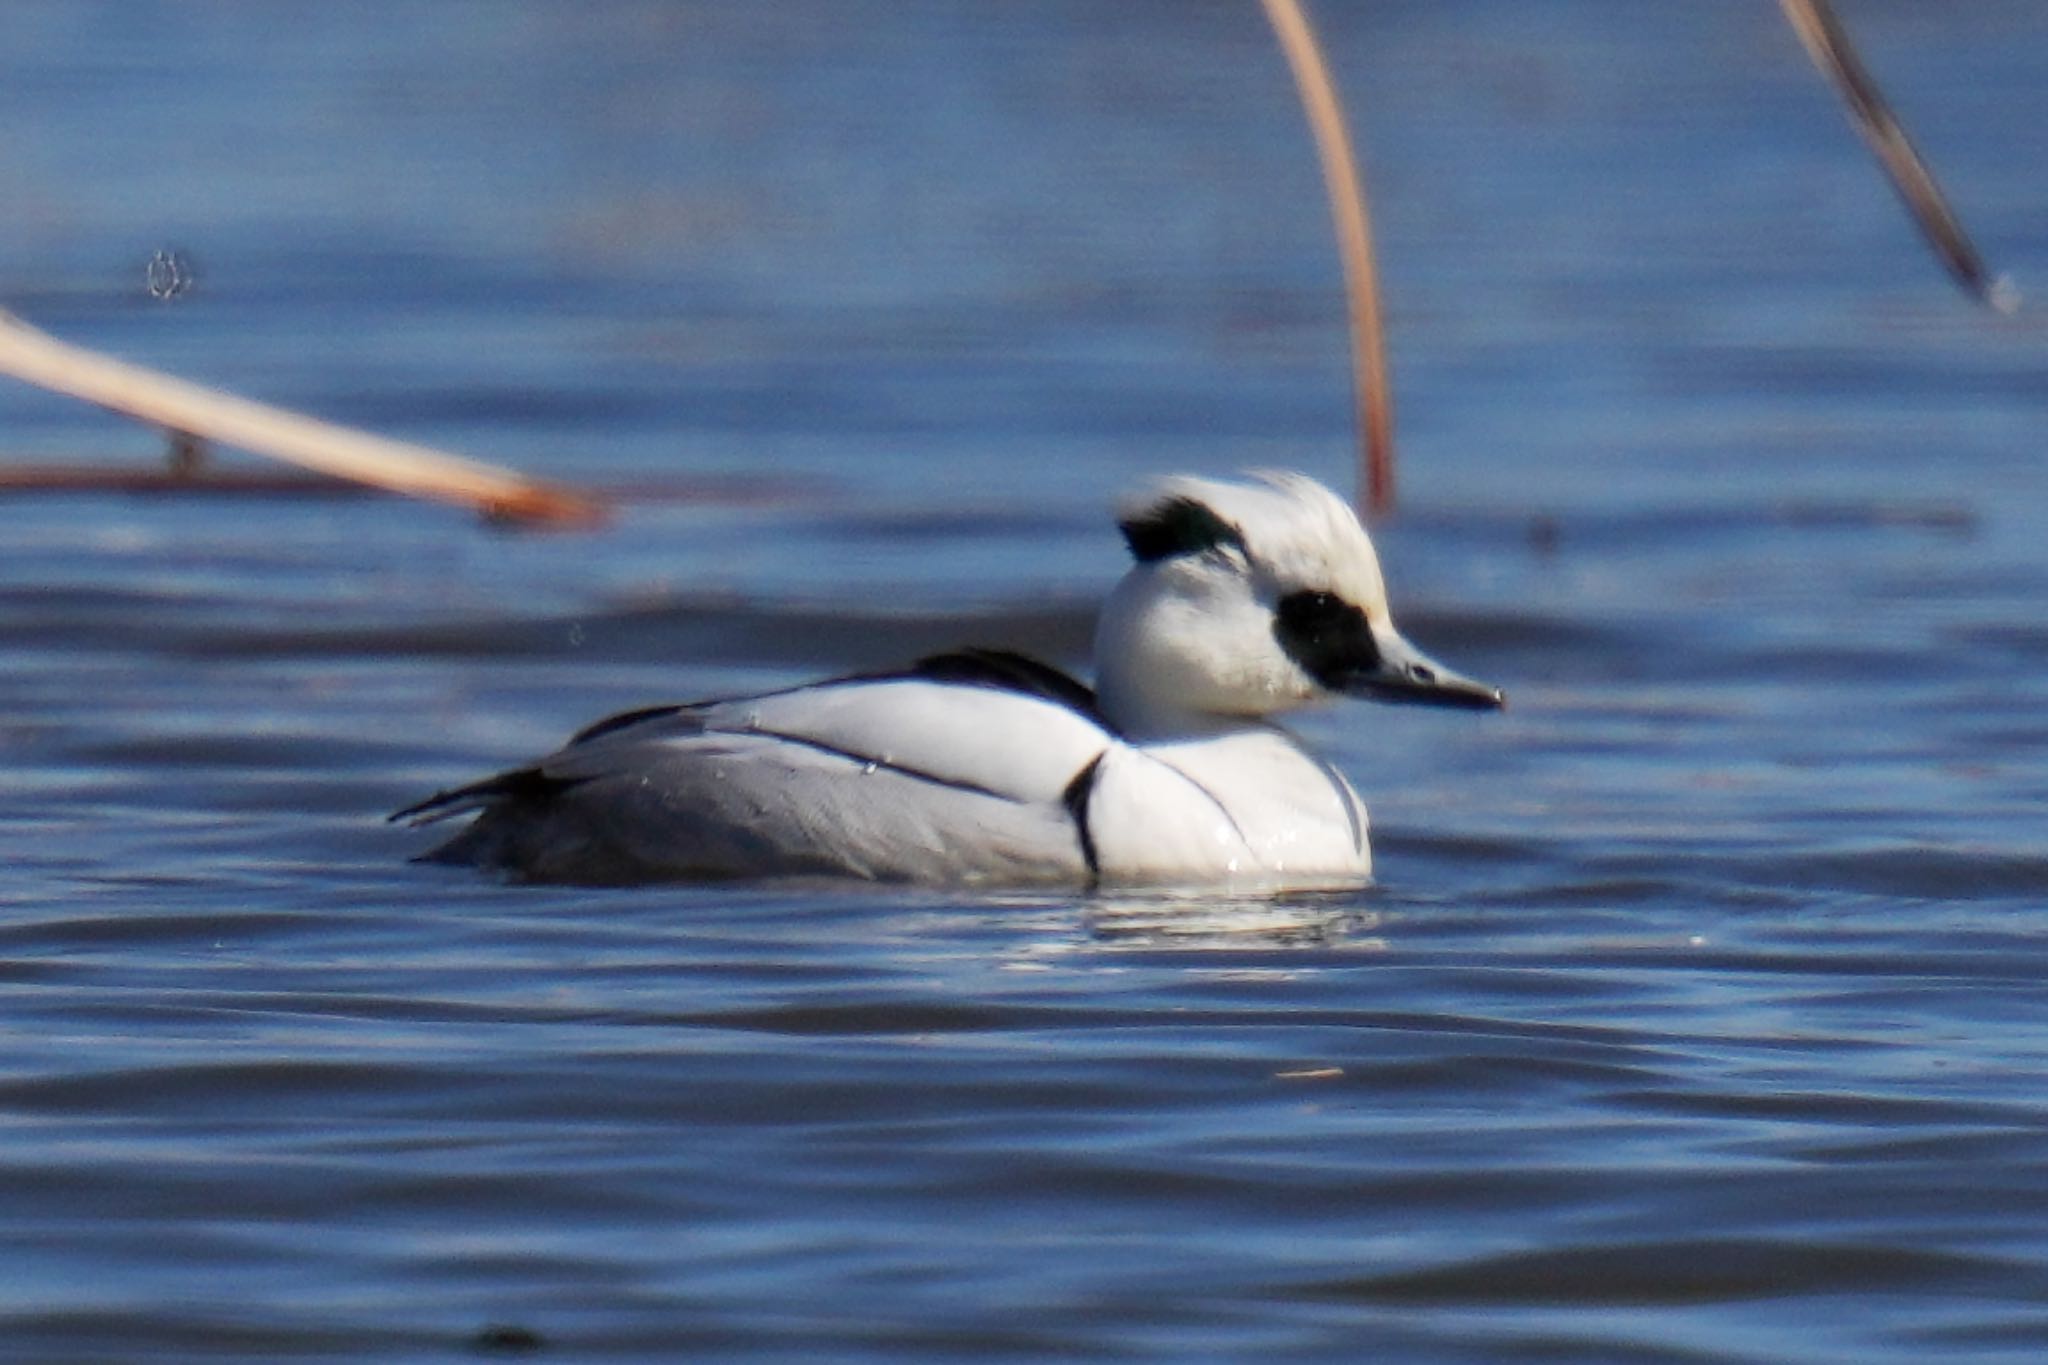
(1250, 598)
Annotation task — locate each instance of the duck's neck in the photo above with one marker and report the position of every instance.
(1156, 668)
(1144, 716)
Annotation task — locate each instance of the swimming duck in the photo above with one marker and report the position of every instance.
(1248, 599)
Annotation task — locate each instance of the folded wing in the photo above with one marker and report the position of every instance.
(914, 776)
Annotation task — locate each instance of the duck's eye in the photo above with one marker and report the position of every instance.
(1312, 611)
(1326, 635)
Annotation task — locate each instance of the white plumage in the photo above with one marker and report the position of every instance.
(1248, 599)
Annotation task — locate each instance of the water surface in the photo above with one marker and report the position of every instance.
(1697, 1017)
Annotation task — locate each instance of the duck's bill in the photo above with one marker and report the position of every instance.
(1404, 674)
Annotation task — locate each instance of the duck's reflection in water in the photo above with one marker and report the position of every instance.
(1208, 920)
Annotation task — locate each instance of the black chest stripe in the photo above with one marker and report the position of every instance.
(1340, 790)
(1075, 799)
(1214, 800)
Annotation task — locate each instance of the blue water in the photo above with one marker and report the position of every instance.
(1698, 1015)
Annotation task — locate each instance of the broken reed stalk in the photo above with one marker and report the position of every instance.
(1828, 44)
(1372, 393)
(186, 409)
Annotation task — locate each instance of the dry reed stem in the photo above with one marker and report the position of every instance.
(1828, 44)
(1373, 395)
(35, 357)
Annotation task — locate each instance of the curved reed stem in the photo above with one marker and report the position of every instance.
(1828, 44)
(1372, 393)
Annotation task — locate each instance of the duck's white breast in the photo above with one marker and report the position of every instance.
(1249, 808)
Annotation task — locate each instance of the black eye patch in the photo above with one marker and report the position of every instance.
(1177, 526)
(1327, 636)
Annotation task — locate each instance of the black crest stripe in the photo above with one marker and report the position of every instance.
(1177, 526)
